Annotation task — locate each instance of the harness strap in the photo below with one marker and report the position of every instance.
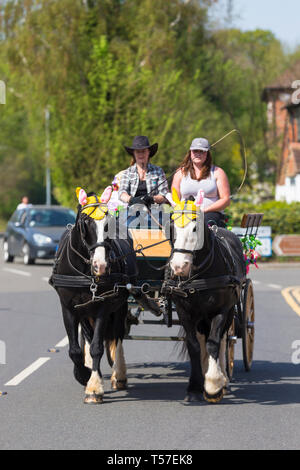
(181, 289)
(64, 280)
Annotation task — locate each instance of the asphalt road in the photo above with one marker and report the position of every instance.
(45, 409)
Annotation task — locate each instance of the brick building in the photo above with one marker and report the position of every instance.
(283, 108)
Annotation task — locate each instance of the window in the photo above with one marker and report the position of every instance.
(51, 217)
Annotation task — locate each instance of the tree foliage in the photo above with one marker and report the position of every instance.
(111, 69)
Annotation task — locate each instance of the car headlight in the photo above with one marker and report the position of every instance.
(40, 239)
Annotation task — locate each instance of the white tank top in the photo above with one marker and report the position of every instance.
(190, 187)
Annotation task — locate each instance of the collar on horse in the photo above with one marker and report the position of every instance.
(194, 283)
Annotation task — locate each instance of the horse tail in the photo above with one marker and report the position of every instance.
(87, 329)
(115, 331)
(181, 347)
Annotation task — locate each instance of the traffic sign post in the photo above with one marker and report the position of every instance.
(287, 245)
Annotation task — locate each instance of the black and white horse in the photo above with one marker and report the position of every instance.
(207, 269)
(85, 277)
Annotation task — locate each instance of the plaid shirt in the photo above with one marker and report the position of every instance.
(155, 181)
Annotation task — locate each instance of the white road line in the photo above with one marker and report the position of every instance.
(256, 282)
(28, 371)
(16, 271)
(64, 342)
(274, 286)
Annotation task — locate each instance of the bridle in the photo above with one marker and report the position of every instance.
(207, 262)
(90, 248)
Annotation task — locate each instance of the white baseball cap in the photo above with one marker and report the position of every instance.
(200, 144)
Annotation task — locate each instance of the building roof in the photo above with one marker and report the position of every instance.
(285, 80)
(283, 83)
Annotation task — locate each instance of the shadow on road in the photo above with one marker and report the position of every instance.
(268, 383)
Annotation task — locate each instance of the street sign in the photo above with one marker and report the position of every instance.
(287, 245)
(263, 234)
(265, 249)
(263, 231)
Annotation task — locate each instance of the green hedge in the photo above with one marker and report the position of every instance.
(282, 217)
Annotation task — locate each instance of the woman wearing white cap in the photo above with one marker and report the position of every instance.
(197, 172)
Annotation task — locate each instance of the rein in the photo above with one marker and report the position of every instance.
(202, 267)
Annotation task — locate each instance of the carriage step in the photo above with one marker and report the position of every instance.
(154, 338)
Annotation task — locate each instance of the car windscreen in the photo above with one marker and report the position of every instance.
(50, 218)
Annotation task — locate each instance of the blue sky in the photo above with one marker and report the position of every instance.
(280, 16)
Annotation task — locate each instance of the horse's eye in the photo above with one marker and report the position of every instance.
(194, 229)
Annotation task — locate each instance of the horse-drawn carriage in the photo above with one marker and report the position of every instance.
(205, 284)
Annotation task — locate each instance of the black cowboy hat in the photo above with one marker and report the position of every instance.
(142, 142)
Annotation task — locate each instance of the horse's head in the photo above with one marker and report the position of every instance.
(188, 222)
(92, 221)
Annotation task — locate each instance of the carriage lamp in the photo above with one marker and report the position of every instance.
(41, 239)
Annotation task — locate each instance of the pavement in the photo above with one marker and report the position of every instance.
(44, 409)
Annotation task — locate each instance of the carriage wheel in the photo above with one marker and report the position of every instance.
(248, 317)
(231, 340)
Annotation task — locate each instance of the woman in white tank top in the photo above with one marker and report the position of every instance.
(197, 172)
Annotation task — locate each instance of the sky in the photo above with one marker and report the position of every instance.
(280, 16)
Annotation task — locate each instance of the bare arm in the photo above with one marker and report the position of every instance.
(176, 182)
(223, 190)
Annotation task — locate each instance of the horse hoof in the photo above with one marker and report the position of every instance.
(119, 384)
(193, 397)
(214, 398)
(93, 399)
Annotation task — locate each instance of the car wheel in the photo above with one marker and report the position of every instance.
(26, 255)
(8, 258)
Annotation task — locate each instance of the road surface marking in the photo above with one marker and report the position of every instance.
(64, 342)
(28, 371)
(296, 294)
(46, 279)
(274, 286)
(16, 271)
(290, 294)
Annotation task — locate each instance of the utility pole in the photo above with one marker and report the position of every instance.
(48, 174)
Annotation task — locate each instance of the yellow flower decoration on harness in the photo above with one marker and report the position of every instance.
(185, 211)
(94, 206)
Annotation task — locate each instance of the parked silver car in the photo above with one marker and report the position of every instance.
(35, 232)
